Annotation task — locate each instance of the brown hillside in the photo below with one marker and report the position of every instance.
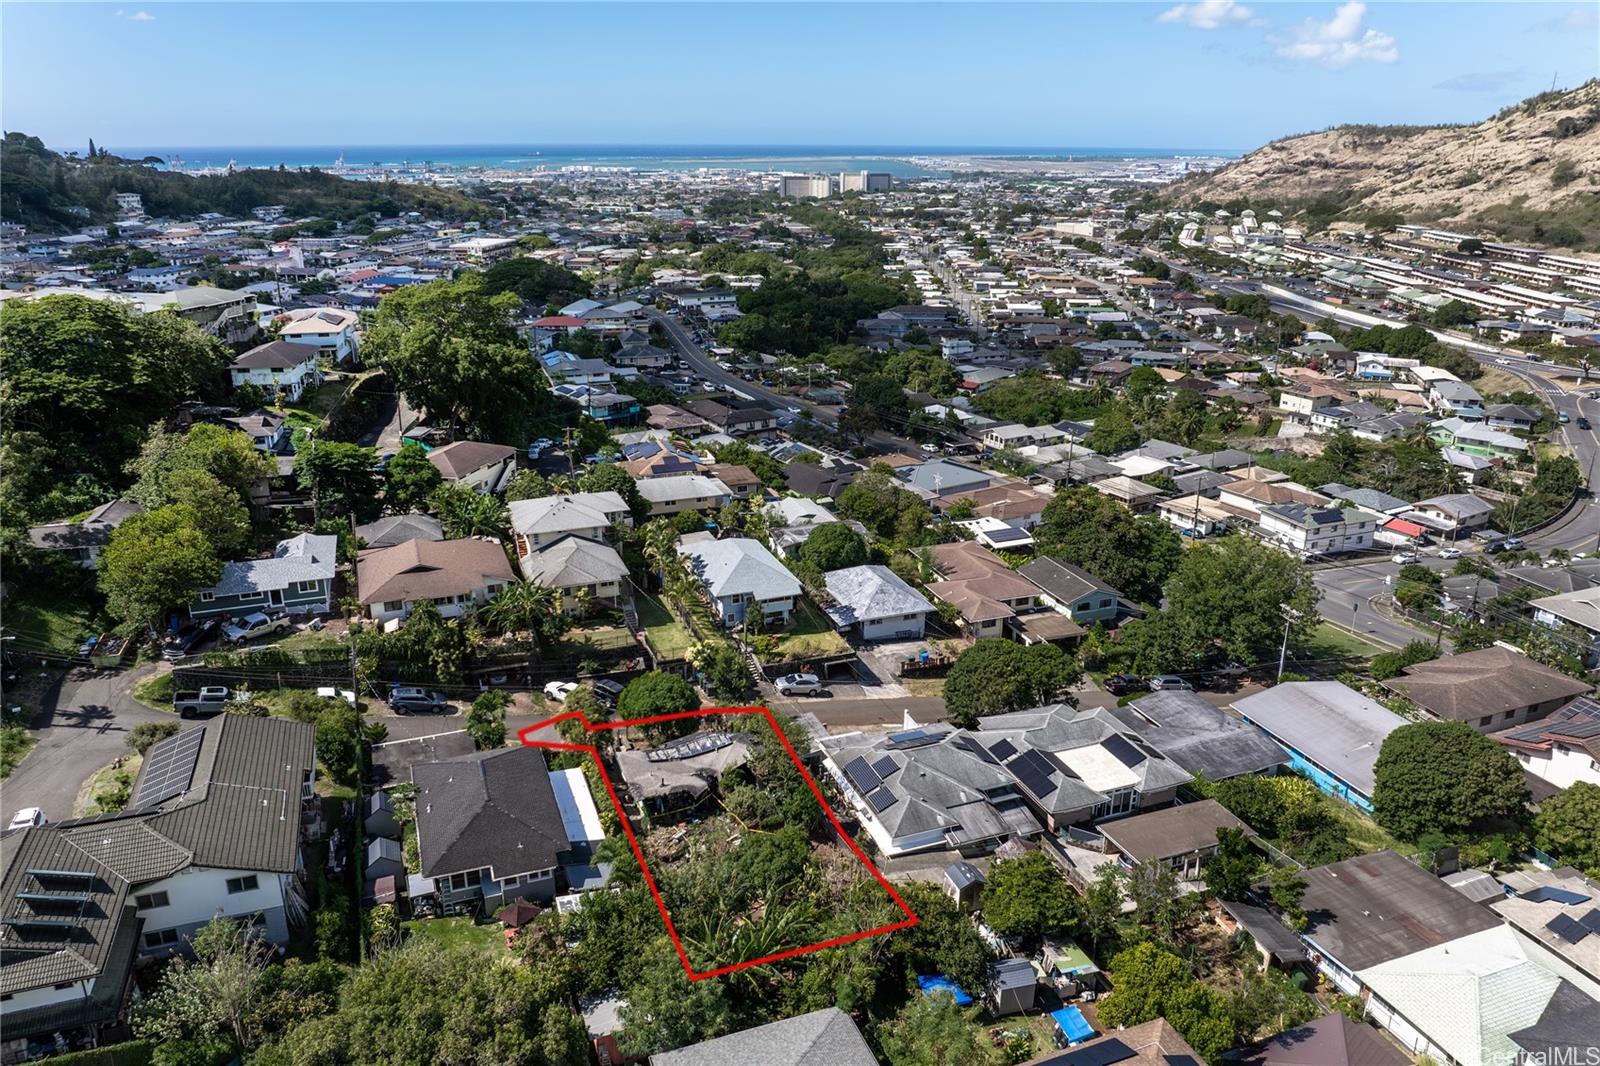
(1531, 172)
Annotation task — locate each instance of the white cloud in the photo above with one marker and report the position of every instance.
(1340, 41)
(137, 16)
(1207, 14)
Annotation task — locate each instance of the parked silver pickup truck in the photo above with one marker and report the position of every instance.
(202, 701)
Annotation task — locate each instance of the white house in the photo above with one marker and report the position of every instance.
(1310, 530)
(328, 331)
(684, 492)
(1563, 749)
(592, 515)
(741, 576)
(875, 603)
(280, 368)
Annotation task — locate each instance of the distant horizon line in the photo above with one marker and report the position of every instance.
(789, 146)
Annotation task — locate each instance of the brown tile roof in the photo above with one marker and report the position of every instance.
(456, 461)
(1477, 684)
(428, 569)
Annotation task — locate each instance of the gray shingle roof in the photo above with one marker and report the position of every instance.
(397, 529)
(491, 809)
(566, 514)
(867, 593)
(739, 565)
(1201, 738)
(303, 557)
(242, 808)
(1336, 727)
(825, 1037)
(571, 561)
(36, 956)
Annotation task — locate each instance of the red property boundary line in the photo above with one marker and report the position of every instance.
(627, 827)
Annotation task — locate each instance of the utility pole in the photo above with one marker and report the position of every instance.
(1290, 617)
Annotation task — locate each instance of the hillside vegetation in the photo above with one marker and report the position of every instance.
(41, 187)
(1530, 173)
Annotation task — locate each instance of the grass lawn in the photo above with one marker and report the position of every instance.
(306, 640)
(459, 933)
(811, 636)
(122, 772)
(588, 641)
(155, 692)
(669, 637)
(15, 742)
(1363, 832)
(1330, 641)
(315, 405)
(57, 619)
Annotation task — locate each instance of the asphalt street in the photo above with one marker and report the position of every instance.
(82, 724)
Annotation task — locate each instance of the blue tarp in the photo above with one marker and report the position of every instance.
(941, 983)
(1074, 1027)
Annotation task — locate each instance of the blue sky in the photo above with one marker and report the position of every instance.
(1201, 74)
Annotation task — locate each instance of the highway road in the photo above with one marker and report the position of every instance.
(710, 371)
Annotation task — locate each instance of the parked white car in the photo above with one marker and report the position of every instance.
(1450, 553)
(558, 691)
(1403, 557)
(28, 816)
(799, 685)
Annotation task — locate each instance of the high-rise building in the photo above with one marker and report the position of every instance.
(865, 181)
(807, 186)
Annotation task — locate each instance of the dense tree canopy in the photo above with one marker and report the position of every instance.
(1227, 598)
(1445, 777)
(1028, 897)
(535, 281)
(994, 676)
(878, 500)
(84, 379)
(1568, 826)
(1133, 554)
(410, 478)
(450, 348)
(658, 693)
(155, 563)
(834, 546)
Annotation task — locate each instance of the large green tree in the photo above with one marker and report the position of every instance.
(83, 381)
(1228, 598)
(834, 546)
(1028, 897)
(994, 676)
(658, 693)
(881, 502)
(1150, 982)
(1568, 826)
(155, 563)
(342, 479)
(1445, 777)
(451, 350)
(932, 1031)
(226, 454)
(1134, 555)
(409, 479)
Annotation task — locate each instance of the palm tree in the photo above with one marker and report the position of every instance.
(660, 542)
(521, 605)
(465, 513)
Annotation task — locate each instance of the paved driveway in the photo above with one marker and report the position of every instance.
(82, 724)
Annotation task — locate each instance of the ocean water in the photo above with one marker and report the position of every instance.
(891, 158)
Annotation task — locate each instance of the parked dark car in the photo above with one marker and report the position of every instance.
(405, 700)
(1122, 684)
(607, 692)
(190, 638)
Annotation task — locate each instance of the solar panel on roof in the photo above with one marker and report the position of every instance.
(1566, 929)
(169, 768)
(881, 799)
(1591, 920)
(885, 766)
(1547, 894)
(861, 775)
(52, 899)
(1006, 536)
(912, 738)
(1003, 750)
(60, 875)
(1032, 779)
(1124, 752)
(967, 743)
